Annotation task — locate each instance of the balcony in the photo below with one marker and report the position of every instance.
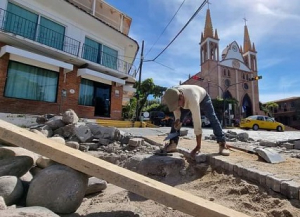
(19, 26)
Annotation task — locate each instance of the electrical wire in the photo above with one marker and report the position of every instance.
(197, 11)
(166, 27)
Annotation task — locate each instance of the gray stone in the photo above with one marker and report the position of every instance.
(18, 151)
(288, 145)
(58, 188)
(262, 177)
(297, 145)
(83, 133)
(269, 155)
(91, 146)
(268, 143)
(58, 139)
(15, 166)
(38, 132)
(33, 211)
(274, 183)
(200, 158)
(67, 131)
(95, 185)
(156, 165)
(135, 142)
(243, 137)
(70, 117)
(11, 189)
(102, 132)
(72, 144)
(44, 162)
(2, 204)
(55, 123)
(5, 153)
(290, 189)
(45, 130)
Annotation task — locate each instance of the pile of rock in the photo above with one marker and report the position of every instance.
(290, 148)
(38, 183)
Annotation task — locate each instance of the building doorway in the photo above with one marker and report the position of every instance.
(246, 106)
(102, 99)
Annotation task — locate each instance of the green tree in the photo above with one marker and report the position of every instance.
(141, 97)
(147, 88)
(270, 106)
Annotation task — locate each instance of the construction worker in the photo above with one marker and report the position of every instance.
(195, 99)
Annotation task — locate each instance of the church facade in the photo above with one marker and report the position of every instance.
(232, 75)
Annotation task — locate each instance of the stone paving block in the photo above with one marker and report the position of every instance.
(274, 183)
(230, 168)
(297, 145)
(290, 189)
(209, 159)
(252, 175)
(218, 163)
(236, 168)
(200, 158)
(225, 165)
(136, 142)
(262, 177)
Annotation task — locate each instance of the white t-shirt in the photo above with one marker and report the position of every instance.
(193, 95)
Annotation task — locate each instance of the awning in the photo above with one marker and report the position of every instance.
(34, 59)
(98, 76)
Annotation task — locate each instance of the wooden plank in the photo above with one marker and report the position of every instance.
(134, 182)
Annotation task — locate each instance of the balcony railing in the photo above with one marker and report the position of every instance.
(17, 25)
(98, 56)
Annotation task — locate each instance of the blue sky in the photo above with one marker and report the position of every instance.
(274, 27)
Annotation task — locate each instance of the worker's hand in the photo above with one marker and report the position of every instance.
(195, 151)
(177, 125)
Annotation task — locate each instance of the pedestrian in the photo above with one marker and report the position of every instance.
(195, 99)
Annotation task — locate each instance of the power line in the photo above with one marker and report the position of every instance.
(166, 27)
(197, 11)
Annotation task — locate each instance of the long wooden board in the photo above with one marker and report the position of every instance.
(116, 175)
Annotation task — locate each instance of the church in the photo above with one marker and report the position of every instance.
(233, 76)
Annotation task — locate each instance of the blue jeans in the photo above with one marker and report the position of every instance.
(207, 106)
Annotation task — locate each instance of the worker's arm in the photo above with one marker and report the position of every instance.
(198, 146)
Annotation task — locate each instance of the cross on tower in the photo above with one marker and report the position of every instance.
(208, 3)
(245, 21)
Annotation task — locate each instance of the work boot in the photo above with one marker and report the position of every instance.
(223, 149)
(171, 147)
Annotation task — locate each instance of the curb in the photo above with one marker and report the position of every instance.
(284, 186)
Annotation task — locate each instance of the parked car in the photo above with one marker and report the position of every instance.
(256, 122)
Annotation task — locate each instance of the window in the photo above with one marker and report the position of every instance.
(228, 73)
(224, 72)
(25, 23)
(51, 34)
(86, 92)
(29, 82)
(92, 50)
(110, 57)
(227, 82)
(99, 53)
(20, 21)
(245, 86)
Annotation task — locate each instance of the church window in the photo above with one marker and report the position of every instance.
(243, 76)
(228, 72)
(224, 72)
(227, 82)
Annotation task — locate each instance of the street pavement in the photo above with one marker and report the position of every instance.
(256, 135)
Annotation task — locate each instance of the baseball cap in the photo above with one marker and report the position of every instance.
(171, 97)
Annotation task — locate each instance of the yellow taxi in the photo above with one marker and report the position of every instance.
(256, 122)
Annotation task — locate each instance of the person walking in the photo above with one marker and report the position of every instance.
(195, 99)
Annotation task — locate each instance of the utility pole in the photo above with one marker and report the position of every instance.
(139, 84)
